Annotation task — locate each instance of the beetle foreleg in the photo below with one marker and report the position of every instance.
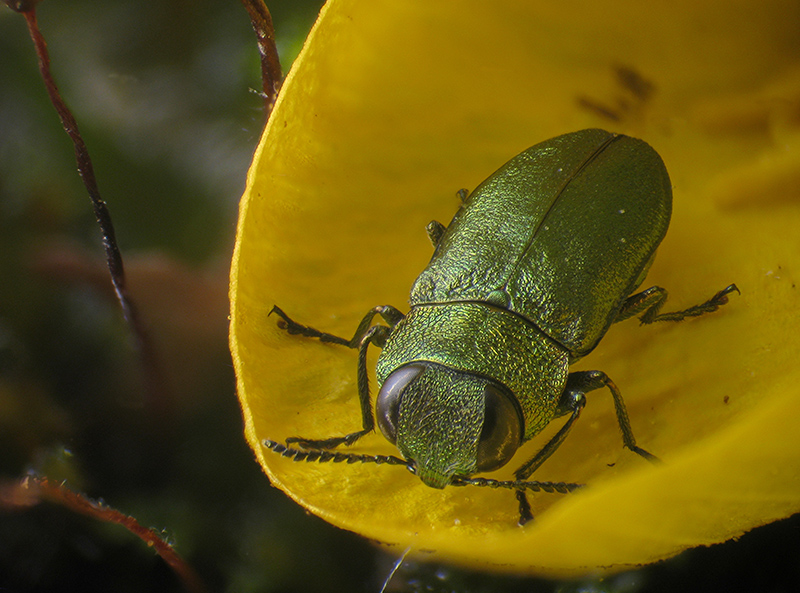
(376, 335)
(650, 301)
(365, 335)
(572, 400)
(391, 315)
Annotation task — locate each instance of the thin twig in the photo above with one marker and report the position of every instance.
(158, 402)
(32, 489)
(271, 75)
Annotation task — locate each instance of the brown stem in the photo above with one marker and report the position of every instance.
(271, 75)
(33, 489)
(158, 403)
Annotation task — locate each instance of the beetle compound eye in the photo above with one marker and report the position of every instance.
(387, 405)
(502, 429)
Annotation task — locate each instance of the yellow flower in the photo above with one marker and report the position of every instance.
(391, 108)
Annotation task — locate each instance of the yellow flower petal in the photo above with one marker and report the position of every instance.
(392, 107)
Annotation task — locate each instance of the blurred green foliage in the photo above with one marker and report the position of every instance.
(161, 91)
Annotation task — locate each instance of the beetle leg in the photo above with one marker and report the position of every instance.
(525, 513)
(575, 400)
(376, 335)
(572, 400)
(589, 381)
(435, 228)
(389, 314)
(650, 301)
(435, 231)
(365, 335)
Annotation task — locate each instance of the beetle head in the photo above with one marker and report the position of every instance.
(447, 422)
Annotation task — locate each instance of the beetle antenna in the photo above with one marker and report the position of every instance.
(534, 486)
(320, 456)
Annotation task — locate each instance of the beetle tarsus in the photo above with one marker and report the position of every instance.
(525, 513)
(330, 443)
(651, 301)
(295, 329)
(721, 298)
(646, 454)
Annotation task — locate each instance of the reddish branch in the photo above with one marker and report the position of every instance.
(158, 403)
(271, 75)
(31, 490)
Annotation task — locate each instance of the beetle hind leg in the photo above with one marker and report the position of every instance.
(436, 229)
(650, 301)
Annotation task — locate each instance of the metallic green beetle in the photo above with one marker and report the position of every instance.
(534, 268)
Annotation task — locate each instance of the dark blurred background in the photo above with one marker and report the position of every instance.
(162, 94)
